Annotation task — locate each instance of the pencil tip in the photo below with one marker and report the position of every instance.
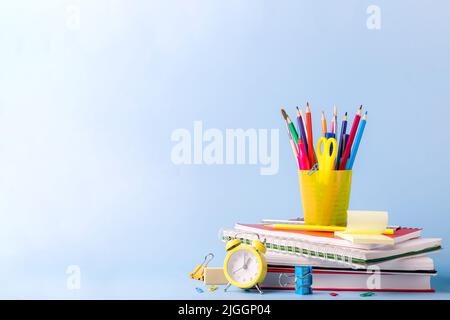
(284, 113)
(360, 107)
(346, 113)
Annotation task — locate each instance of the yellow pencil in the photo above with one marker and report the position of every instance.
(317, 228)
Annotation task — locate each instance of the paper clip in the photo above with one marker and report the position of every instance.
(212, 288)
(198, 273)
(313, 169)
(367, 294)
(199, 290)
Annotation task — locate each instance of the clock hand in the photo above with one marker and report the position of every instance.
(234, 271)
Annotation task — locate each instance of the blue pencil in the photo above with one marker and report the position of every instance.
(341, 141)
(355, 146)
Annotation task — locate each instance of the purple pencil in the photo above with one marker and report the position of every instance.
(301, 127)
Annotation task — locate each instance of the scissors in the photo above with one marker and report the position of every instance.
(326, 156)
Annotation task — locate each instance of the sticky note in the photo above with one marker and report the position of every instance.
(366, 227)
(214, 276)
(366, 222)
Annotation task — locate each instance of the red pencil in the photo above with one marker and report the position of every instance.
(310, 135)
(351, 137)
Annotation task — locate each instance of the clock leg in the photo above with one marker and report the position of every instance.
(258, 288)
(226, 288)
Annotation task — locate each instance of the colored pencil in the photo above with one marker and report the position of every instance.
(324, 124)
(362, 125)
(302, 156)
(332, 125)
(341, 140)
(301, 126)
(291, 125)
(344, 144)
(310, 135)
(304, 227)
(348, 147)
(335, 129)
(292, 143)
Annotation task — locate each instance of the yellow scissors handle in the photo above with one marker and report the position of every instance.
(325, 159)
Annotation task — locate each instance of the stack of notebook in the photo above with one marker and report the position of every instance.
(339, 264)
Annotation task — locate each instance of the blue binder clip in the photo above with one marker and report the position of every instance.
(303, 280)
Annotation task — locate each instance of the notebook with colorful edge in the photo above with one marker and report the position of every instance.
(325, 237)
(351, 256)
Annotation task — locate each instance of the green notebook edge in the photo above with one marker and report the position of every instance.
(339, 258)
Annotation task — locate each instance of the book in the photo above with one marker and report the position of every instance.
(323, 279)
(420, 264)
(317, 246)
(325, 237)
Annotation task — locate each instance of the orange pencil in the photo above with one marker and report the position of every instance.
(324, 124)
(310, 135)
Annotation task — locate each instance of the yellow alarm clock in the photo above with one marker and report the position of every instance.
(245, 266)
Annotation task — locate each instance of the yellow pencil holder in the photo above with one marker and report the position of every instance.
(325, 196)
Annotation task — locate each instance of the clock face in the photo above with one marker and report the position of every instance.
(243, 266)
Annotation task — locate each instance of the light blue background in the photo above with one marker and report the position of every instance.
(86, 118)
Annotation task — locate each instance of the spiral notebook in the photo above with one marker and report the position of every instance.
(325, 247)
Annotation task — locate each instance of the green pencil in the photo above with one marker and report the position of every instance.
(291, 125)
